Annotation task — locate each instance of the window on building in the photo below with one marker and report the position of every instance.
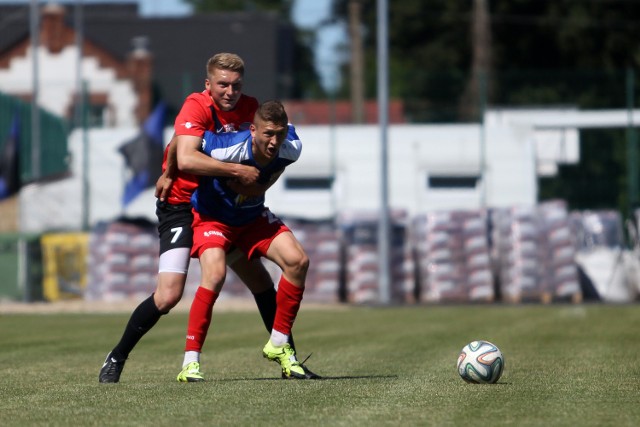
(308, 183)
(451, 182)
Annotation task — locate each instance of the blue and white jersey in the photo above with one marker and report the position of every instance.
(215, 199)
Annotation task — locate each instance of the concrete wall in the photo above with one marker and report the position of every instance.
(415, 153)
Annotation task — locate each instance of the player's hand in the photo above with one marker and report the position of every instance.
(246, 175)
(163, 185)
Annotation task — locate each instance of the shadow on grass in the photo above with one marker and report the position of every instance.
(324, 378)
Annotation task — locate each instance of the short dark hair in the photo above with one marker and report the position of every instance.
(272, 111)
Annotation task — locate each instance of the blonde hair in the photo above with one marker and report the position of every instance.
(225, 61)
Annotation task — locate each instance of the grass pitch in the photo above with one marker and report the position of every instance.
(564, 365)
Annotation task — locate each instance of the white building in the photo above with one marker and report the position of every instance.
(430, 167)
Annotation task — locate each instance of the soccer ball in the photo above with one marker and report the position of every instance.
(480, 362)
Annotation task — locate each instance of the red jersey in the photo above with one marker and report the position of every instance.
(198, 114)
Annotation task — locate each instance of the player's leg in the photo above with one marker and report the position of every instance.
(213, 268)
(210, 245)
(288, 254)
(256, 277)
(175, 244)
(268, 236)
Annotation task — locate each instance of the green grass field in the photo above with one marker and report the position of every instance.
(566, 365)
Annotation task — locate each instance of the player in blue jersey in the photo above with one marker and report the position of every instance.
(227, 214)
(216, 197)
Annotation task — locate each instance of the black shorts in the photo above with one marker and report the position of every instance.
(174, 226)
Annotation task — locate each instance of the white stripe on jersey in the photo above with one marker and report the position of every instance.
(290, 149)
(235, 153)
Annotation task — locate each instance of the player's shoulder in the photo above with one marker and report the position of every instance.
(201, 98)
(244, 111)
(248, 102)
(247, 106)
(292, 146)
(292, 135)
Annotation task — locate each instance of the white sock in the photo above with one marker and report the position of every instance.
(278, 339)
(191, 356)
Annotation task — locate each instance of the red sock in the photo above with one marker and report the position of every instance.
(199, 318)
(288, 300)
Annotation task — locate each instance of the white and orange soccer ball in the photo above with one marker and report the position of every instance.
(480, 362)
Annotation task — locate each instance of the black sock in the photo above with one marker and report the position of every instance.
(266, 302)
(141, 321)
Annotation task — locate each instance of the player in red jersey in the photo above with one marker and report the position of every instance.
(221, 107)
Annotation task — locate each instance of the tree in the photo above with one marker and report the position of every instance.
(542, 51)
(563, 51)
(283, 7)
(560, 52)
(428, 49)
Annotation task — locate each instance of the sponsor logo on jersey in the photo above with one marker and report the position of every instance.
(242, 201)
(229, 127)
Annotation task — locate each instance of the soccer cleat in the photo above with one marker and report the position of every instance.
(111, 370)
(286, 357)
(308, 373)
(190, 373)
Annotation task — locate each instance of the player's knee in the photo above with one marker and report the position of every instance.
(167, 299)
(304, 262)
(299, 264)
(213, 281)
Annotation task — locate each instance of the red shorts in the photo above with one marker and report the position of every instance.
(253, 239)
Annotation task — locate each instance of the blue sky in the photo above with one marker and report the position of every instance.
(309, 14)
(162, 7)
(306, 14)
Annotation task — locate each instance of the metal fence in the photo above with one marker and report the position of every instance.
(606, 176)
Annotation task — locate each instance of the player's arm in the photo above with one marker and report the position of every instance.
(191, 160)
(165, 181)
(256, 189)
(189, 128)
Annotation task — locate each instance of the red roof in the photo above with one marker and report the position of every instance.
(338, 112)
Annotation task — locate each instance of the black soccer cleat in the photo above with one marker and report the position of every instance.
(308, 374)
(111, 370)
